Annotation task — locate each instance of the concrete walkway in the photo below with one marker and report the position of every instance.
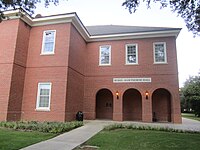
(187, 125)
(71, 139)
(76, 137)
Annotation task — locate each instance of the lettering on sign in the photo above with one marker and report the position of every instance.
(129, 80)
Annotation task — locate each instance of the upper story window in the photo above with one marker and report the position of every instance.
(48, 44)
(43, 96)
(160, 55)
(131, 54)
(105, 55)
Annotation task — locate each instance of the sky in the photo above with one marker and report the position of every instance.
(111, 12)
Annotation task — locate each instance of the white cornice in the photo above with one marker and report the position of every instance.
(135, 35)
(52, 20)
(74, 19)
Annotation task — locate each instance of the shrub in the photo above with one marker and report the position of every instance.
(140, 127)
(51, 127)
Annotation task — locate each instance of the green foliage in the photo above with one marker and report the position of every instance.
(47, 127)
(185, 105)
(189, 10)
(191, 93)
(139, 127)
(27, 5)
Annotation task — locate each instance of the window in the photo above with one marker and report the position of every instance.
(43, 96)
(105, 55)
(48, 42)
(160, 55)
(131, 54)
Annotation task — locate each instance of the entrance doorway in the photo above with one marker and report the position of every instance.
(161, 105)
(132, 105)
(104, 104)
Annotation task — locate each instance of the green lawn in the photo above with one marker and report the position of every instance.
(190, 116)
(126, 139)
(14, 140)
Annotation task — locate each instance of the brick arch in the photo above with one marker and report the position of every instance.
(161, 105)
(104, 104)
(132, 105)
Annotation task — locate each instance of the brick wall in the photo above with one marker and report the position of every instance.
(162, 75)
(14, 40)
(46, 68)
(75, 80)
(76, 76)
(18, 73)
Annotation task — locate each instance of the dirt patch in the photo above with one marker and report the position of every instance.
(87, 147)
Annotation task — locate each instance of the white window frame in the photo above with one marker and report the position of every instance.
(38, 96)
(100, 64)
(165, 51)
(126, 48)
(43, 43)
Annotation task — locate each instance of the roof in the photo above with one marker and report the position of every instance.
(118, 29)
(94, 33)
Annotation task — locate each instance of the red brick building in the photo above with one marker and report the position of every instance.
(53, 66)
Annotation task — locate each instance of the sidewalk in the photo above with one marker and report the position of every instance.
(71, 139)
(76, 137)
(187, 124)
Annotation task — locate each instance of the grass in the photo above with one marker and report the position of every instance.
(14, 140)
(190, 116)
(128, 139)
(14, 135)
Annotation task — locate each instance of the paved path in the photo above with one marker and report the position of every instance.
(76, 137)
(187, 124)
(72, 139)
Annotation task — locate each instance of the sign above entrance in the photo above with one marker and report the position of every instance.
(129, 80)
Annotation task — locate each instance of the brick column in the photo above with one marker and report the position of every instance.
(5, 84)
(117, 108)
(175, 109)
(146, 109)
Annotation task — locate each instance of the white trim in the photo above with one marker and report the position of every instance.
(165, 51)
(43, 43)
(38, 97)
(109, 64)
(136, 49)
(140, 35)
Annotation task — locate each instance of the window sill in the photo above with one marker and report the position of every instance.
(160, 63)
(131, 64)
(42, 54)
(42, 109)
(104, 65)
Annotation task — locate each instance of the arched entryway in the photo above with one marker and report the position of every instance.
(104, 104)
(132, 105)
(161, 105)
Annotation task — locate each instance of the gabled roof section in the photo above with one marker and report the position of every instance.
(95, 33)
(117, 29)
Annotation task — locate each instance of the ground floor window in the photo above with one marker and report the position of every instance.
(43, 96)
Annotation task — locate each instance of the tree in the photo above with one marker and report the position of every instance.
(189, 10)
(191, 93)
(28, 5)
(185, 104)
